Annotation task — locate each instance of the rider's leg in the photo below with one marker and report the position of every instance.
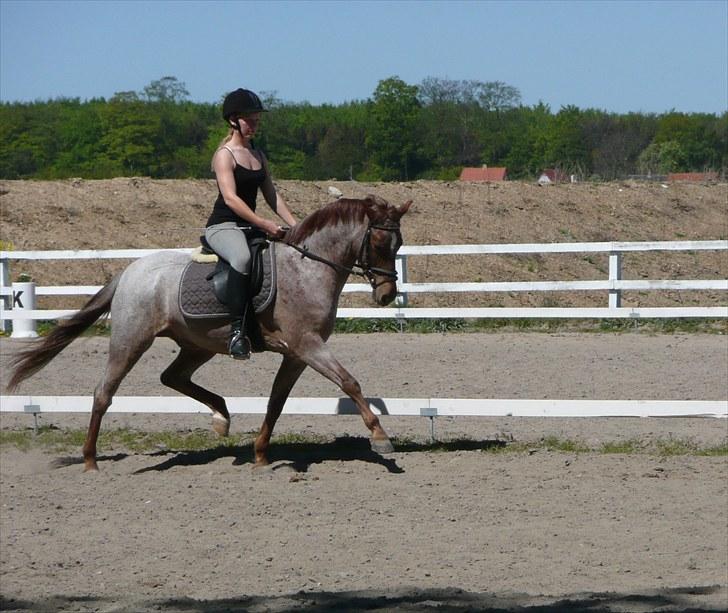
(237, 301)
(229, 242)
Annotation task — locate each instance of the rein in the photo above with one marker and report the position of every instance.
(362, 260)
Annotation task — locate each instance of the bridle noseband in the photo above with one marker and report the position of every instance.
(362, 259)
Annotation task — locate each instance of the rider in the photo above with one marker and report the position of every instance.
(240, 170)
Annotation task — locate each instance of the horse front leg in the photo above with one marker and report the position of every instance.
(288, 373)
(318, 356)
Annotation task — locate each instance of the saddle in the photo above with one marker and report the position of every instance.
(203, 285)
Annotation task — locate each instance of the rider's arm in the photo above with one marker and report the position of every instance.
(223, 165)
(273, 198)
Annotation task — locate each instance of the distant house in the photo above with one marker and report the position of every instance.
(553, 175)
(483, 174)
(692, 176)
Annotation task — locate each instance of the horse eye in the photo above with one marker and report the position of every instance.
(383, 245)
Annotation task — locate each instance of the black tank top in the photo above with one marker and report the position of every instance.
(247, 183)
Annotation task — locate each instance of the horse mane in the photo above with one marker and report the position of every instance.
(341, 211)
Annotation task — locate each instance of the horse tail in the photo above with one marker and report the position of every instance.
(29, 361)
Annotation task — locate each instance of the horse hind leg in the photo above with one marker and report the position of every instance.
(178, 376)
(122, 358)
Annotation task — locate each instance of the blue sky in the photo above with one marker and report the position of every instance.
(619, 56)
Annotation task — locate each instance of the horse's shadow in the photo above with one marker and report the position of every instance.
(300, 456)
(297, 456)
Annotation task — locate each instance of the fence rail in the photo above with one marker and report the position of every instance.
(425, 407)
(614, 285)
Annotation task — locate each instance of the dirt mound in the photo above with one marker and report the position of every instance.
(144, 213)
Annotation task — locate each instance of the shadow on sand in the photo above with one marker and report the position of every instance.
(301, 456)
(298, 456)
(411, 600)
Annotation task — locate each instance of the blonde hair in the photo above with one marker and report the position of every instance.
(222, 143)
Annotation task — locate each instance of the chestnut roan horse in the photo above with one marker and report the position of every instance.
(143, 303)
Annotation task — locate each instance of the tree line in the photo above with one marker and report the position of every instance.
(402, 132)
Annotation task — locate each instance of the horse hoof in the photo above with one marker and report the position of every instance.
(91, 467)
(382, 446)
(221, 424)
(262, 469)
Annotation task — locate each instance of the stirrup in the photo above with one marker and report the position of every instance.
(239, 345)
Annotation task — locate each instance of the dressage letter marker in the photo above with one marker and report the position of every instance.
(23, 295)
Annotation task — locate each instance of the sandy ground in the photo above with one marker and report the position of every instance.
(335, 527)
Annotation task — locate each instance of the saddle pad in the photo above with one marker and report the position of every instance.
(197, 299)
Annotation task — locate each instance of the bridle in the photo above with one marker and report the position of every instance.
(363, 257)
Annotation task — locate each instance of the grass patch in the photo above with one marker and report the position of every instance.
(652, 326)
(435, 326)
(58, 440)
(294, 438)
(553, 443)
(44, 327)
(660, 447)
(678, 447)
(65, 440)
(717, 450)
(629, 446)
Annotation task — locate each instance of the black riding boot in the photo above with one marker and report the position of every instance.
(237, 301)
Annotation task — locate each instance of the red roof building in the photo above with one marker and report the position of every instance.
(483, 174)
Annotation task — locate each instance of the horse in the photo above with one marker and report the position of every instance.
(313, 263)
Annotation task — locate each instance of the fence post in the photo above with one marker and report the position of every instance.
(24, 300)
(5, 324)
(615, 274)
(400, 265)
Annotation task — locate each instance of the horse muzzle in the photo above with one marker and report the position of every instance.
(386, 292)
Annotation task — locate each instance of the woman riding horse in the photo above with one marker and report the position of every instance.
(360, 236)
(240, 170)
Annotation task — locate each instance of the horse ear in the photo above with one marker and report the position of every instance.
(404, 208)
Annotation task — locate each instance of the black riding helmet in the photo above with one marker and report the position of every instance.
(240, 102)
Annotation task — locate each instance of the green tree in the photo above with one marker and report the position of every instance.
(402, 132)
(130, 130)
(662, 158)
(697, 135)
(565, 147)
(392, 138)
(615, 142)
(166, 89)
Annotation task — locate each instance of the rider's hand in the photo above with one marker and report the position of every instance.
(273, 230)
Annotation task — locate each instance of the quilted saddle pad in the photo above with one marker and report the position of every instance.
(198, 300)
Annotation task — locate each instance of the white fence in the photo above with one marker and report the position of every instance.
(425, 407)
(614, 285)
(428, 407)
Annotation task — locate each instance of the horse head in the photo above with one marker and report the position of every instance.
(380, 246)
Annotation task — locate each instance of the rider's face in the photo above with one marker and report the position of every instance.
(249, 124)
